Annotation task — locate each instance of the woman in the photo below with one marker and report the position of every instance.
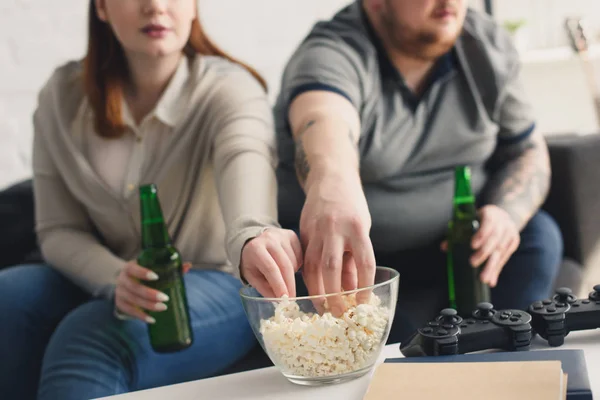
(153, 101)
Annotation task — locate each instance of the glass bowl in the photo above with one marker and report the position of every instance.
(309, 345)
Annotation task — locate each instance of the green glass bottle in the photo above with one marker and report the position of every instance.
(465, 287)
(172, 330)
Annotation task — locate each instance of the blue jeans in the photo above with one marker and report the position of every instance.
(57, 343)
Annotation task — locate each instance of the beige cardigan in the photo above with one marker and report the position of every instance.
(216, 182)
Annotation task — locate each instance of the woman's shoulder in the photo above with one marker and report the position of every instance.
(222, 76)
(63, 87)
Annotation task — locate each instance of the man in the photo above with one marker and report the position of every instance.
(377, 107)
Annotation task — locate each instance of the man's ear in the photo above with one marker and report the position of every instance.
(101, 10)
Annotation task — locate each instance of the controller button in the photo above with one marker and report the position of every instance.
(575, 304)
(463, 325)
(551, 309)
(433, 324)
(597, 288)
(560, 305)
(427, 330)
(517, 315)
(448, 326)
(504, 317)
(442, 332)
(538, 306)
(546, 302)
(514, 319)
(485, 322)
(585, 301)
(507, 313)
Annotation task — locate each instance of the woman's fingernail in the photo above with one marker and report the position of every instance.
(150, 320)
(151, 276)
(160, 306)
(162, 297)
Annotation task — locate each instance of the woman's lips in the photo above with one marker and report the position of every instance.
(155, 31)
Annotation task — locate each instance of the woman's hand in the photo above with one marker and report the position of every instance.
(133, 298)
(270, 260)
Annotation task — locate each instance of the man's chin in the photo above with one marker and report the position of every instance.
(433, 51)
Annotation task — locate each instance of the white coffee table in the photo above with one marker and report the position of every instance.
(269, 384)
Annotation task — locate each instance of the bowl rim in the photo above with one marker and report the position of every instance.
(395, 276)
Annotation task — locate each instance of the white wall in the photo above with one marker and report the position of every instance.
(35, 36)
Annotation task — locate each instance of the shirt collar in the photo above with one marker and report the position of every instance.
(169, 107)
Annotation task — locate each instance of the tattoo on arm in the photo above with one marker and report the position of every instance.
(521, 183)
(301, 161)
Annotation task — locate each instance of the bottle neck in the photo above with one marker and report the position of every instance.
(464, 201)
(154, 229)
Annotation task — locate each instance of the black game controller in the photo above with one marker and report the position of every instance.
(449, 334)
(554, 318)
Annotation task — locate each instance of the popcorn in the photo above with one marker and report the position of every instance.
(313, 345)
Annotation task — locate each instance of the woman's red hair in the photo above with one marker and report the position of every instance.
(105, 71)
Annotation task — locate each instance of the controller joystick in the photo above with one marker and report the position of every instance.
(564, 295)
(449, 334)
(484, 311)
(553, 319)
(449, 316)
(595, 295)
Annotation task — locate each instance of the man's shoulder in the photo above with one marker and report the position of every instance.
(344, 33)
(484, 39)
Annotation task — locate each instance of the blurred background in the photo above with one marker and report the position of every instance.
(39, 35)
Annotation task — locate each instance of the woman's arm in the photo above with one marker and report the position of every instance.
(244, 158)
(62, 225)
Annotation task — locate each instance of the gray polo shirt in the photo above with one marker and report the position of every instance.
(474, 104)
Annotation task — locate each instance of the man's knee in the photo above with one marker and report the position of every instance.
(542, 236)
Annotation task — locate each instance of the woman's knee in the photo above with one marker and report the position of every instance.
(90, 352)
(27, 289)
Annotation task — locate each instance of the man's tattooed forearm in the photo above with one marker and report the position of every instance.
(301, 161)
(521, 185)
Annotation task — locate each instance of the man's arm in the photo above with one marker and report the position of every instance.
(521, 178)
(335, 220)
(326, 127)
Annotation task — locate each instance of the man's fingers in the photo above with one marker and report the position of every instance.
(491, 270)
(444, 246)
(487, 248)
(331, 264)
(485, 231)
(311, 272)
(506, 252)
(270, 270)
(134, 270)
(286, 267)
(349, 274)
(364, 259)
